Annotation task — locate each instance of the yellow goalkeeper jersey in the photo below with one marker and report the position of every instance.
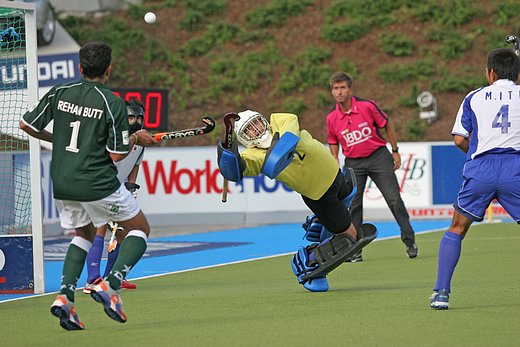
(313, 168)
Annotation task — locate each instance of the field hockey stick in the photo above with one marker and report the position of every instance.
(112, 244)
(177, 134)
(229, 121)
(512, 39)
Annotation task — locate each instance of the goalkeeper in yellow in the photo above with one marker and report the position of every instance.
(280, 150)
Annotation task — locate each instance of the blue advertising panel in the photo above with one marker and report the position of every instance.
(58, 69)
(447, 164)
(13, 73)
(16, 264)
(52, 70)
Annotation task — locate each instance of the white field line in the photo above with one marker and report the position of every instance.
(216, 265)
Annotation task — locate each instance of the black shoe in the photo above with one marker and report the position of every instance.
(412, 251)
(356, 258)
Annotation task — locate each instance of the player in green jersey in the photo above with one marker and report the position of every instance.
(90, 133)
(127, 171)
(282, 151)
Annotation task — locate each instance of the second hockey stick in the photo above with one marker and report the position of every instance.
(178, 134)
(229, 121)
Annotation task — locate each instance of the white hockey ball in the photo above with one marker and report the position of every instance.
(150, 17)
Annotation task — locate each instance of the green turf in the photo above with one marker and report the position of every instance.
(382, 301)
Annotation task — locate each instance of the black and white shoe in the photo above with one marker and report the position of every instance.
(412, 251)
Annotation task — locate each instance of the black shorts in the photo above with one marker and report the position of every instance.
(329, 209)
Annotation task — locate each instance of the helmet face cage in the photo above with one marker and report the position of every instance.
(254, 130)
(135, 113)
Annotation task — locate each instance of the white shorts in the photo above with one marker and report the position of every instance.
(120, 206)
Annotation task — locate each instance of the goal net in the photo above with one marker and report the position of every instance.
(21, 236)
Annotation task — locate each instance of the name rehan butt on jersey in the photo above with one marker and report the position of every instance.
(78, 110)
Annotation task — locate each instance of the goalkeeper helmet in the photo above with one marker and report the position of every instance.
(253, 130)
(135, 111)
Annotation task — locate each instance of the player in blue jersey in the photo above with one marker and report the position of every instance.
(487, 129)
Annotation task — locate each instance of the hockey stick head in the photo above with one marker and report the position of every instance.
(229, 121)
(210, 124)
(515, 41)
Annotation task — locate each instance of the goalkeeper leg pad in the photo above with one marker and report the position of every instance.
(333, 252)
(314, 230)
(350, 176)
(300, 262)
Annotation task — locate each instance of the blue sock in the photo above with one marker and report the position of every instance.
(449, 254)
(112, 256)
(94, 258)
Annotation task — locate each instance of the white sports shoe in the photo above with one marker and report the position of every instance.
(66, 312)
(87, 289)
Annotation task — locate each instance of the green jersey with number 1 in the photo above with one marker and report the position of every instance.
(89, 122)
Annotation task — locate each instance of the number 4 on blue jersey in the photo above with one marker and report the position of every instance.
(502, 119)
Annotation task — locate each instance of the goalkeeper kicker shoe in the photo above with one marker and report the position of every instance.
(110, 299)
(66, 312)
(440, 299)
(300, 266)
(318, 284)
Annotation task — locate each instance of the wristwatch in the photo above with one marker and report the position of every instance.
(396, 150)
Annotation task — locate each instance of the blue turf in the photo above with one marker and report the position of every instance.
(221, 247)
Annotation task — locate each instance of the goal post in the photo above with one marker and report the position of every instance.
(21, 226)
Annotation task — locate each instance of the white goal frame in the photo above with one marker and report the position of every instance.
(34, 144)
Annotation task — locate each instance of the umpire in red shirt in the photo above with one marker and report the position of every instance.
(356, 124)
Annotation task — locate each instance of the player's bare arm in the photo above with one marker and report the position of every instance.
(392, 139)
(140, 138)
(461, 142)
(42, 135)
(144, 138)
(334, 149)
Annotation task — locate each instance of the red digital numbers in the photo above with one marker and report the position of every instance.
(153, 98)
(155, 103)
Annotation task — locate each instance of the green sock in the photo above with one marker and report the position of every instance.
(132, 249)
(72, 268)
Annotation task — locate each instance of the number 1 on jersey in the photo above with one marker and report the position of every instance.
(502, 119)
(73, 145)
